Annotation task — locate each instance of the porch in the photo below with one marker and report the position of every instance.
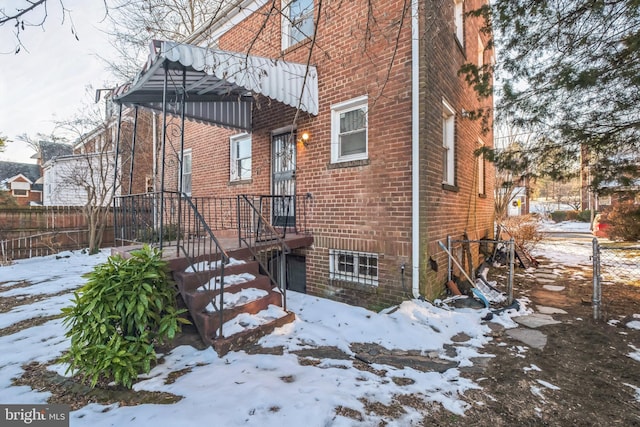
(228, 256)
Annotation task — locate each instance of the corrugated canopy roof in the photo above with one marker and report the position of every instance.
(219, 85)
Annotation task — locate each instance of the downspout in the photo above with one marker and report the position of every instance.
(415, 149)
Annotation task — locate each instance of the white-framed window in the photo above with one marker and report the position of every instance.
(359, 267)
(297, 21)
(349, 129)
(21, 193)
(186, 172)
(448, 144)
(240, 157)
(458, 20)
(481, 177)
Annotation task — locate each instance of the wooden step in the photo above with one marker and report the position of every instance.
(248, 336)
(199, 298)
(208, 323)
(188, 282)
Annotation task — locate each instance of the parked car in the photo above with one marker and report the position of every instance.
(600, 226)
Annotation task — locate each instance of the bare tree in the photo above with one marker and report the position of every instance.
(512, 169)
(134, 23)
(87, 178)
(25, 14)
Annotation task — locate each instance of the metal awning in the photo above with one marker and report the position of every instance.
(218, 85)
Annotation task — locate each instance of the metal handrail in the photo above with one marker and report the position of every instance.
(182, 225)
(197, 243)
(258, 235)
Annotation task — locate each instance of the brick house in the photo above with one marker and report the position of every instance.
(22, 182)
(381, 148)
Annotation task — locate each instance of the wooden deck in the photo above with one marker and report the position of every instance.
(177, 261)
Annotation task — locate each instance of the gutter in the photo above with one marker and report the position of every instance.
(415, 150)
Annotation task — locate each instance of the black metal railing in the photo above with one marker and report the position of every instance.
(188, 224)
(206, 256)
(153, 217)
(173, 220)
(265, 241)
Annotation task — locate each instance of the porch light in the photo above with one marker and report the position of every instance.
(305, 137)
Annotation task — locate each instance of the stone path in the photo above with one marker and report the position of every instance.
(528, 332)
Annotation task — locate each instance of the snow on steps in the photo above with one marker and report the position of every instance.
(246, 329)
(251, 306)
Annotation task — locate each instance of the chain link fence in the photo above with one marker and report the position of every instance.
(613, 263)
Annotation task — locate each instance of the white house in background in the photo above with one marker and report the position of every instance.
(79, 179)
(518, 204)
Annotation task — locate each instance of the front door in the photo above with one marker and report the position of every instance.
(283, 167)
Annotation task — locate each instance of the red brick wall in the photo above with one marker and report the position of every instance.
(451, 211)
(364, 206)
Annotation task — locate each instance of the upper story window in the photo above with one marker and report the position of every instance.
(240, 157)
(448, 144)
(297, 21)
(458, 20)
(186, 172)
(349, 130)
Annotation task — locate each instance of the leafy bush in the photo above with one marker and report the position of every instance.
(524, 229)
(559, 216)
(584, 216)
(150, 235)
(126, 307)
(624, 222)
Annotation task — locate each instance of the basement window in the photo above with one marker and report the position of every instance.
(358, 267)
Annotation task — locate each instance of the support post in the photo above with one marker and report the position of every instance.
(133, 146)
(164, 143)
(512, 249)
(181, 194)
(597, 286)
(283, 276)
(449, 263)
(115, 179)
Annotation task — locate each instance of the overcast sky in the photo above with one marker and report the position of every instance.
(48, 82)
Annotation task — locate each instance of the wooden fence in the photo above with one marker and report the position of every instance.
(43, 230)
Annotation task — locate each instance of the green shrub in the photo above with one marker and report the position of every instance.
(584, 216)
(624, 222)
(559, 216)
(126, 306)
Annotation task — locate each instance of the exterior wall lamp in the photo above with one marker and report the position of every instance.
(305, 137)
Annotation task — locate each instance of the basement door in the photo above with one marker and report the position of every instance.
(283, 179)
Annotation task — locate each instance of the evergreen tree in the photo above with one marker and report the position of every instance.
(569, 70)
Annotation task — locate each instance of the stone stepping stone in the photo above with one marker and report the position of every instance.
(553, 288)
(535, 320)
(531, 337)
(550, 310)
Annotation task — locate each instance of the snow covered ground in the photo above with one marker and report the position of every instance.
(257, 390)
